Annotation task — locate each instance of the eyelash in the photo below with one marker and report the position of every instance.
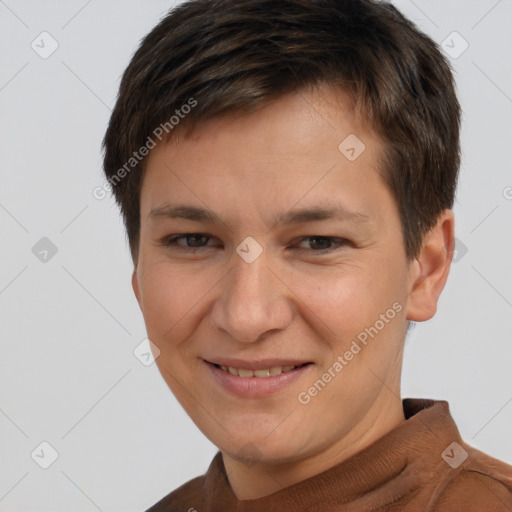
(170, 241)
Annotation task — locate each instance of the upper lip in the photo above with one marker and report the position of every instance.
(260, 364)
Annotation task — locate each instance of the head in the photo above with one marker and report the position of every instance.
(312, 149)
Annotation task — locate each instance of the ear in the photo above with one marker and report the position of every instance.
(135, 286)
(429, 271)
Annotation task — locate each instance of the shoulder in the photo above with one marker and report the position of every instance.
(484, 484)
(182, 499)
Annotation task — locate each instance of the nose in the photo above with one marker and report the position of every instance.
(253, 301)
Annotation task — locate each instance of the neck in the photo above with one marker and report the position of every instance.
(262, 479)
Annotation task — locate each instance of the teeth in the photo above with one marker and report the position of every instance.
(268, 372)
(262, 373)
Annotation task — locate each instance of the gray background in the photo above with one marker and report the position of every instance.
(69, 325)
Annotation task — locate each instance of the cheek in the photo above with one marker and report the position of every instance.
(342, 301)
(169, 297)
(339, 295)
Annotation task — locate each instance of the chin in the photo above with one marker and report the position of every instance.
(251, 451)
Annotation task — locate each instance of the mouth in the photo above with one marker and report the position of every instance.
(256, 379)
(272, 371)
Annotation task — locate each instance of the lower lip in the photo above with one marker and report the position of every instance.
(256, 387)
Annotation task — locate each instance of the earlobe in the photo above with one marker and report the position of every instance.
(135, 286)
(429, 271)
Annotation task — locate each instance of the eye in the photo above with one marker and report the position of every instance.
(323, 243)
(192, 241)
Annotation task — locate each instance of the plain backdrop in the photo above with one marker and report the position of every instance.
(69, 320)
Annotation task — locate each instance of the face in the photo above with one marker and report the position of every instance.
(264, 247)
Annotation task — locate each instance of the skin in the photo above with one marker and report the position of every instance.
(293, 300)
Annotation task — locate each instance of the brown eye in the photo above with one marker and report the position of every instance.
(191, 241)
(318, 242)
(196, 240)
(322, 243)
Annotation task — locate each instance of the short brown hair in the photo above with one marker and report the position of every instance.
(239, 55)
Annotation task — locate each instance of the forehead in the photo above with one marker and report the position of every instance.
(294, 120)
(303, 147)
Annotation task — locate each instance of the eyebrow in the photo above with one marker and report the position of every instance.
(303, 216)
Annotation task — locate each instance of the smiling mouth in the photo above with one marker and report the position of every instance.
(263, 373)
